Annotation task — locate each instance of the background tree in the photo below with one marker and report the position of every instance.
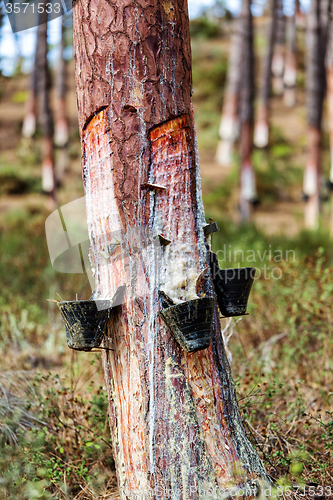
(39, 105)
(61, 131)
(46, 117)
(315, 93)
(290, 70)
(29, 122)
(329, 79)
(279, 49)
(61, 122)
(261, 131)
(229, 126)
(175, 423)
(248, 192)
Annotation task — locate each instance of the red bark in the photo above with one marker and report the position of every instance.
(176, 427)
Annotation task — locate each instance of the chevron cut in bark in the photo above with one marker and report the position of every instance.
(175, 423)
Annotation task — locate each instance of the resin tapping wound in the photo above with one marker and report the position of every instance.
(172, 165)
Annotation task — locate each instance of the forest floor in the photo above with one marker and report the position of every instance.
(54, 434)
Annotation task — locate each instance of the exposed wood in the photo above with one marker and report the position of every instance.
(175, 423)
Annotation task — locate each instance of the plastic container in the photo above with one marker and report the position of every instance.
(232, 287)
(85, 322)
(191, 323)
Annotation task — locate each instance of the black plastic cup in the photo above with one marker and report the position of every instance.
(191, 323)
(85, 322)
(232, 287)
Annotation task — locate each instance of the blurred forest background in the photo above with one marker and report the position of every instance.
(263, 105)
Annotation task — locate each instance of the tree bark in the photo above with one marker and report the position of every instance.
(248, 192)
(261, 132)
(290, 70)
(315, 93)
(329, 80)
(29, 122)
(279, 49)
(175, 423)
(61, 122)
(46, 118)
(229, 126)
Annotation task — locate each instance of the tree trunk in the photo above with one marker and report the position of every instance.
(290, 71)
(229, 126)
(329, 79)
(279, 49)
(261, 132)
(29, 122)
(248, 192)
(175, 424)
(46, 118)
(61, 123)
(315, 93)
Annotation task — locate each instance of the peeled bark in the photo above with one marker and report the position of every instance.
(261, 132)
(61, 122)
(279, 49)
(175, 424)
(248, 192)
(315, 93)
(290, 70)
(229, 126)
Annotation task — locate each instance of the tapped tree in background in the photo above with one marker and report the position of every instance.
(61, 122)
(329, 79)
(175, 423)
(247, 190)
(290, 70)
(61, 119)
(279, 49)
(30, 118)
(261, 131)
(229, 126)
(315, 92)
(39, 106)
(45, 112)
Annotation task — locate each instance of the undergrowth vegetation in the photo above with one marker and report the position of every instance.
(283, 351)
